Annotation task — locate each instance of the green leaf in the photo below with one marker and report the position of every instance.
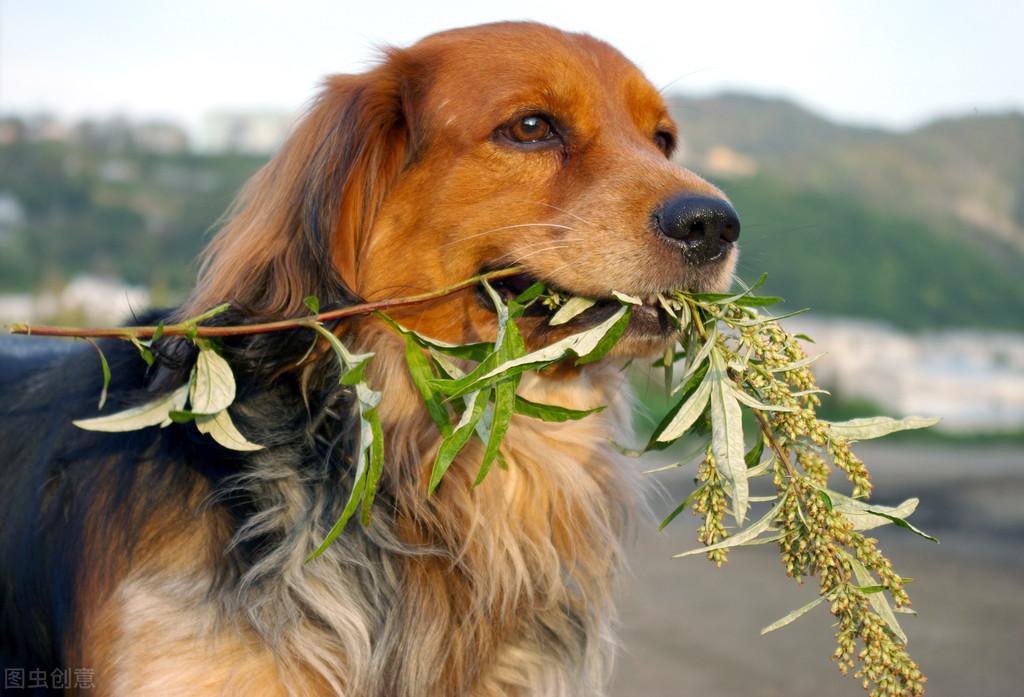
(504, 404)
(680, 508)
(212, 385)
(312, 303)
(859, 512)
(584, 344)
(358, 487)
(689, 387)
(698, 359)
(552, 412)
(878, 600)
(158, 334)
(804, 337)
(757, 321)
(780, 623)
(222, 429)
(753, 456)
(797, 364)
(213, 312)
(106, 372)
(372, 417)
(900, 522)
(570, 309)
(758, 300)
(727, 435)
(826, 499)
(688, 413)
(531, 293)
(511, 346)
(627, 299)
(421, 374)
(746, 536)
(610, 338)
(726, 298)
(150, 414)
(183, 416)
(347, 360)
(877, 426)
(453, 444)
(475, 352)
(753, 402)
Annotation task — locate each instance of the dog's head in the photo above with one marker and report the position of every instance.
(476, 149)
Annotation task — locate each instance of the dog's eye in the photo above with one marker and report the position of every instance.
(530, 129)
(665, 141)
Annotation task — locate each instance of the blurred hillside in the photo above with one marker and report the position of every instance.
(921, 229)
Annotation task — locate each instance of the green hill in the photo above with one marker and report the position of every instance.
(923, 228)
(837, 256)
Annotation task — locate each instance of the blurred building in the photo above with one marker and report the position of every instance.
(12, 214)
(90, 299)
(252, 133)
(974, 380)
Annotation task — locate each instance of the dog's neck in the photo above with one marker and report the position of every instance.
(533, 549)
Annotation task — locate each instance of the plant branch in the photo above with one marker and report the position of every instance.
(190, 327)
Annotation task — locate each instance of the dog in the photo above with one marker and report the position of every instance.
(167, 565)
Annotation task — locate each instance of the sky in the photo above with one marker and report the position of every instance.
(896, 64)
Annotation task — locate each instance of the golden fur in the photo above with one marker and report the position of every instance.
(394, 184)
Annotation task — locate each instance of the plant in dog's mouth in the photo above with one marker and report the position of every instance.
(729, 356)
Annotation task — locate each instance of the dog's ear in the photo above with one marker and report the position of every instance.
(299, 225)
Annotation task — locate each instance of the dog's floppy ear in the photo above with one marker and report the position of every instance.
(298, 226)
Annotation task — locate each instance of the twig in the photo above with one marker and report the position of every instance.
(190, 327)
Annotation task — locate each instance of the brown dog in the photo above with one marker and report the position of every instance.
(180, 567)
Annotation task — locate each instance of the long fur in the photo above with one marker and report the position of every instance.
(170, 566)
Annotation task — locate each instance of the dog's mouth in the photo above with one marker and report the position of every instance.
(648, 320)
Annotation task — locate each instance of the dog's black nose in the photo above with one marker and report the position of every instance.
(703, 226)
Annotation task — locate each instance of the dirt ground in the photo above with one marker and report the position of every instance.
(691, 629)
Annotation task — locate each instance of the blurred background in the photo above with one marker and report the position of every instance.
(874, 150)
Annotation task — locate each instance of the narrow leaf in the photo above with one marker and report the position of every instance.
(347, 360)
(149, 414)
(727, 435)
(698, 359)
(680, 508)
(797, 364)
(877, 426)
(900, 522)
(746, 536)
(222, 429)
(106, 372)
(878, 601)
(376, 463)
(355, 496)
(551, 412)
(570, 309)
(688, 413)
(780, 623)
(754, 403)
(213, 383)
(452, 445)
(582, 344)
(627, 299)
(753, 456)
(419, 371)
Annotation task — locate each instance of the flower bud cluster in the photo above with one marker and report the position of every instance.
(886, 668)
(712, 504)
(814, 538)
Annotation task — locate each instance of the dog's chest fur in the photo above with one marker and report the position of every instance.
(504, 589)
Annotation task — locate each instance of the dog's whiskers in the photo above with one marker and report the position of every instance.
(505, 228)
(567, 212)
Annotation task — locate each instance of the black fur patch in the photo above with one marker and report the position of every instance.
(53, 474)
